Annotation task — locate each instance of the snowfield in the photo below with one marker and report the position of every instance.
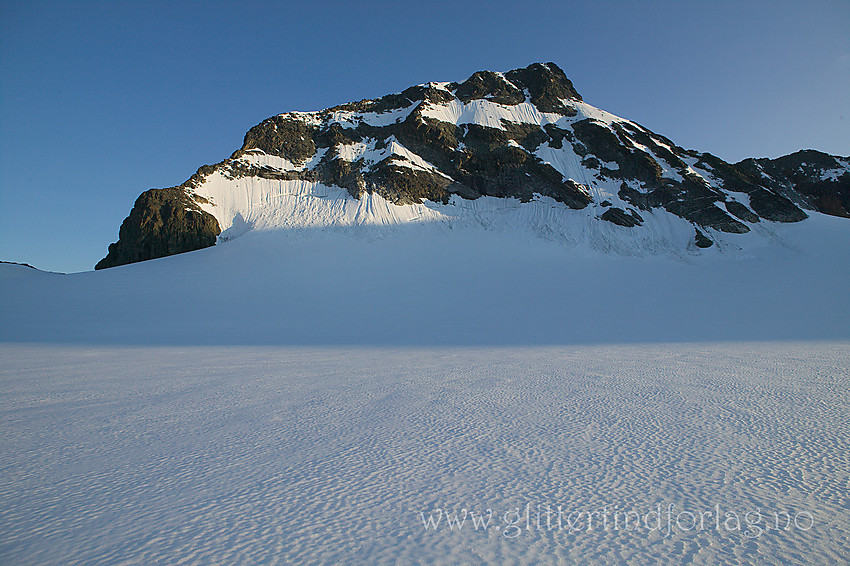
(301, 455)
(432, 393)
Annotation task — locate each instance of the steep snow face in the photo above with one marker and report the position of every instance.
(260, 204)
(487, 114)
(351, 118)
(254, 203)
(259, 158)
(493, 115)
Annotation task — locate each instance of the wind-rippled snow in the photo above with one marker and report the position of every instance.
(283, 455)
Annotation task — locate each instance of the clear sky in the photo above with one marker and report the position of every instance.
(100, 101)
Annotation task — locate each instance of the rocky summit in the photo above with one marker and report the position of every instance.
(515, 147)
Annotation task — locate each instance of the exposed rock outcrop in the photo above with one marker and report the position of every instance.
(163, 222)
(818, 181)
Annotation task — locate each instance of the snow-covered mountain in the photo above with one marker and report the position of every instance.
(501, 150)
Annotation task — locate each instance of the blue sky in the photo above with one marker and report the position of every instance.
(100, 101)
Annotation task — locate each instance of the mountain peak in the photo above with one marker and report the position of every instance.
(546, 83)
(521, 141)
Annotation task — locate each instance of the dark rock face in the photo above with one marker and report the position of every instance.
(490, 86)
(407, 186)
(697, 204)
(820, 181)
(702, 241)
(492, 167)
(620, 217)
(691, 198)
(163, 222)
(772, 206)
(547, 84)
(282, 136)
(740, 211)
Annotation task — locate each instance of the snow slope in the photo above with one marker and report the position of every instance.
(438, 283)
(324, 395)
